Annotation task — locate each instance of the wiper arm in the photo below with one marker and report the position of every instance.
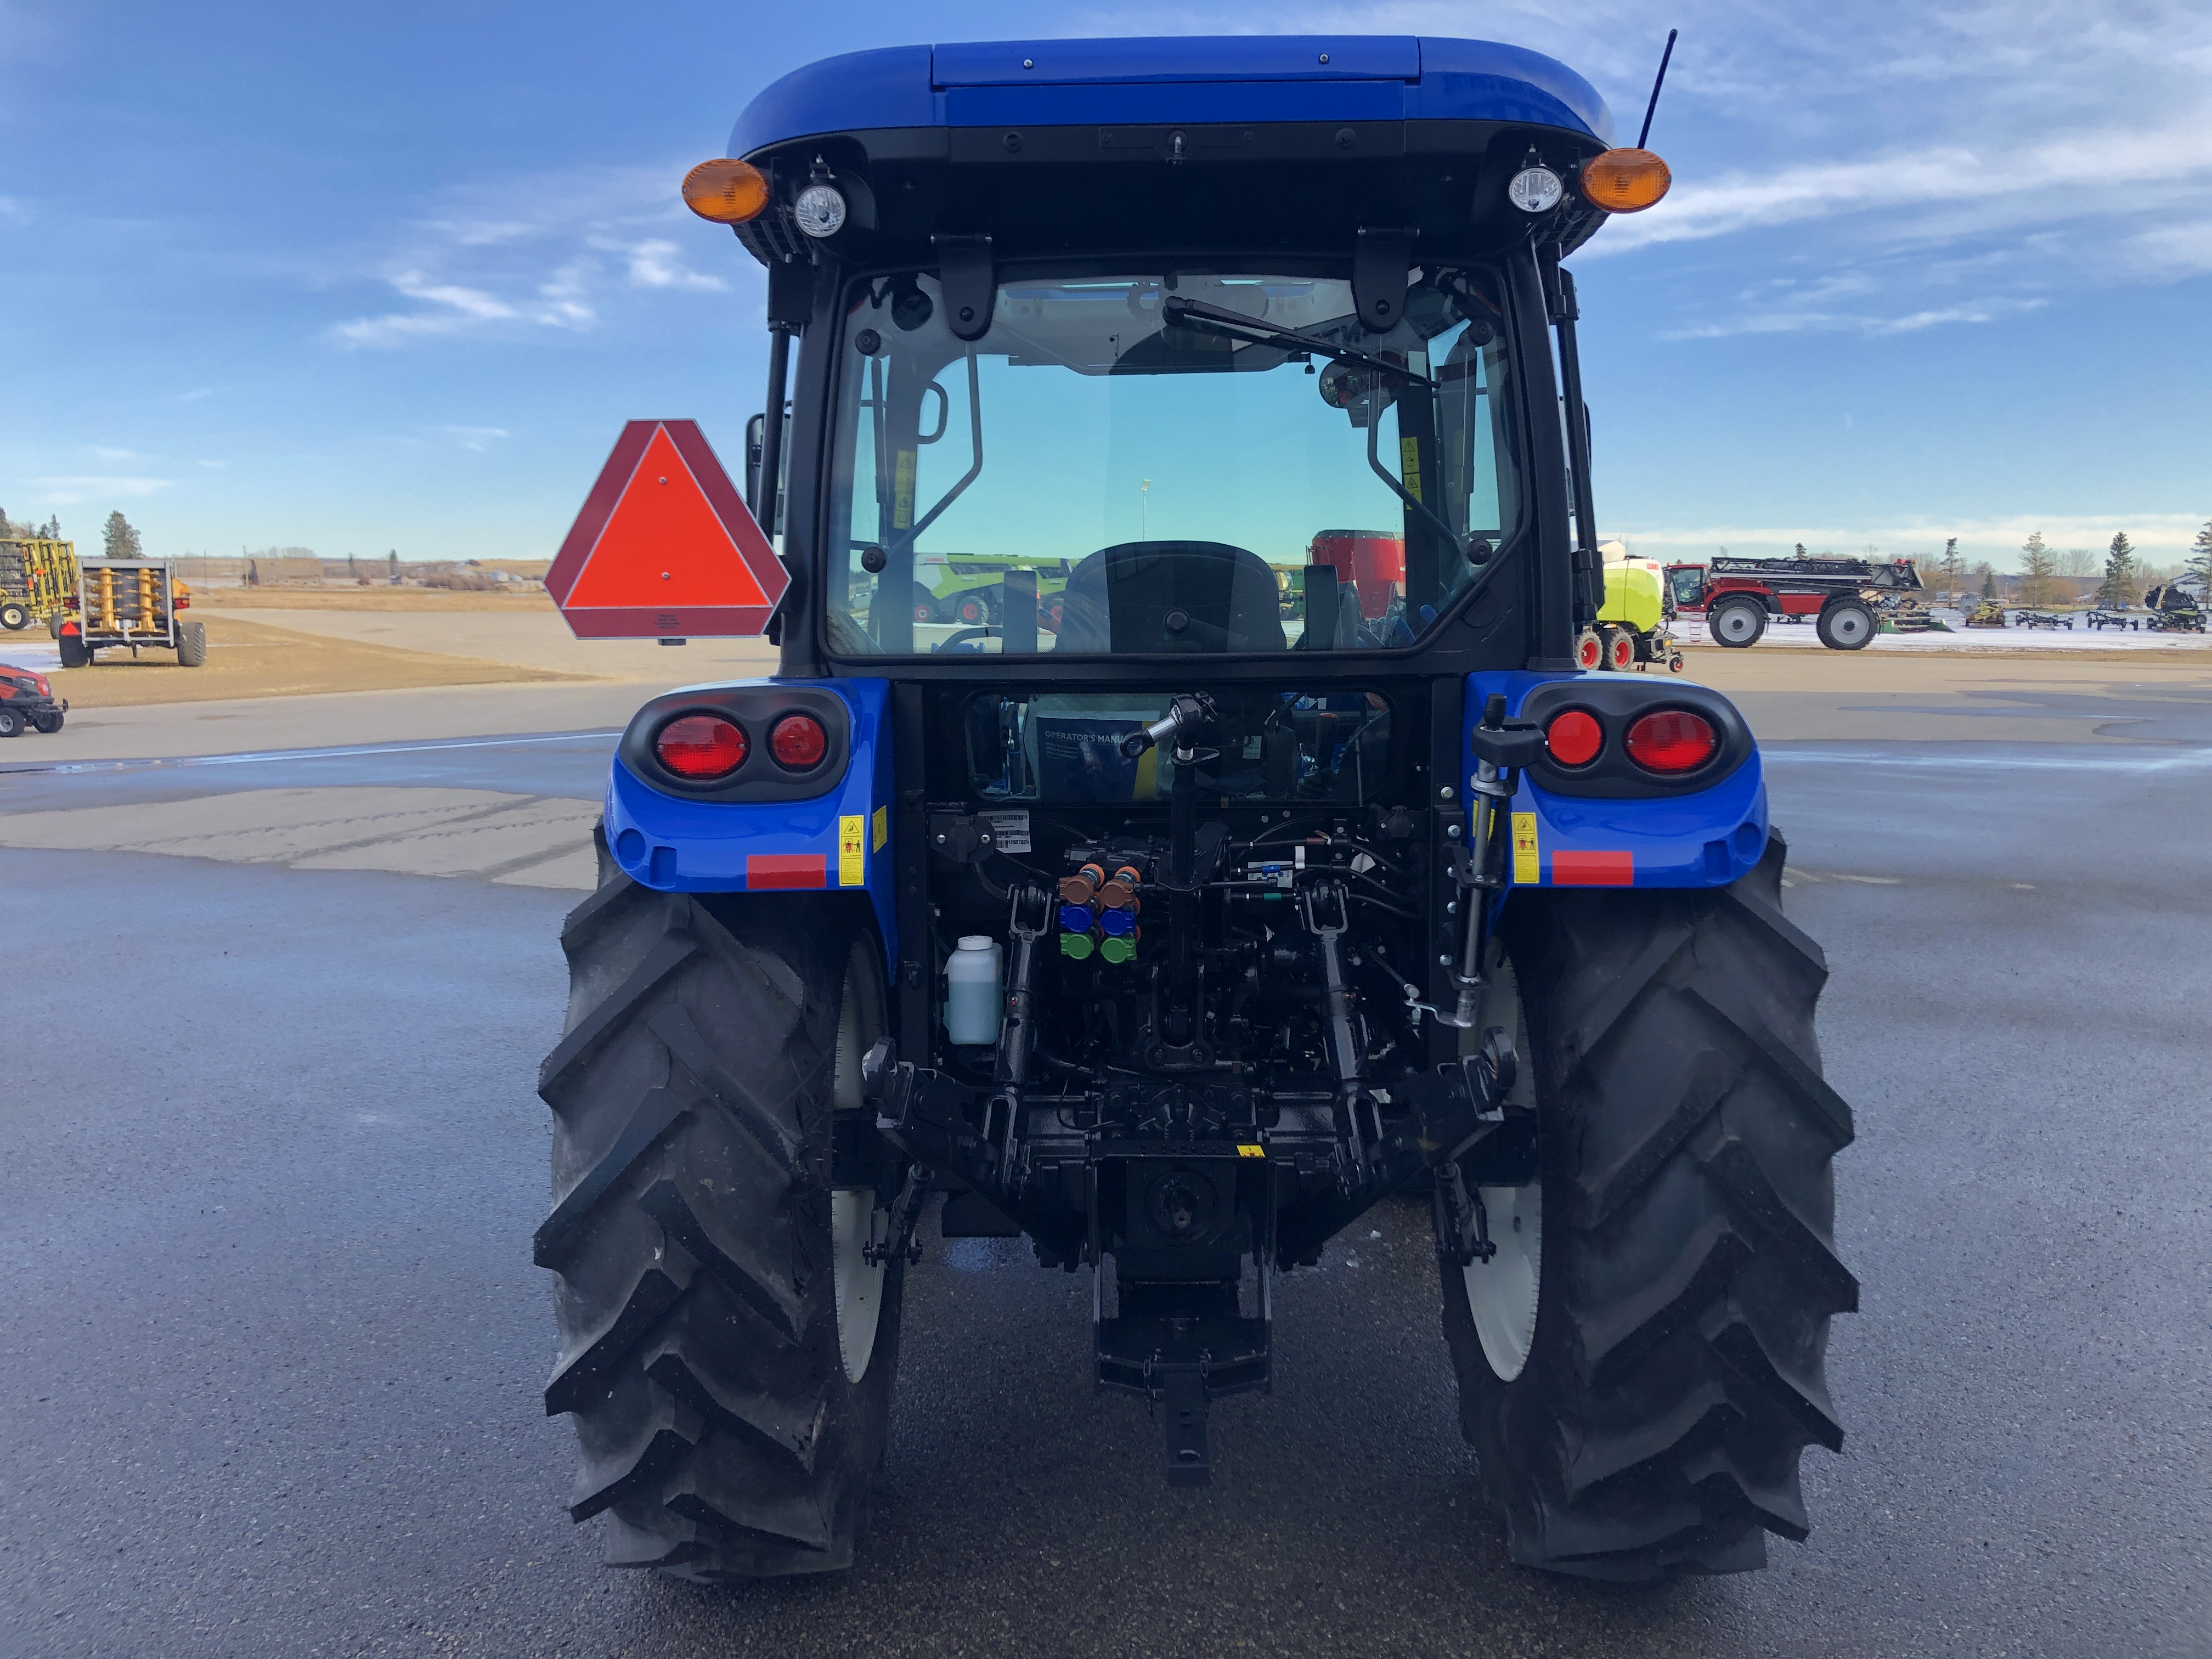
(1474, 550)
(1213, 320)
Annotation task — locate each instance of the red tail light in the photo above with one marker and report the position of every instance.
(1673, 740)
(702, 746)
(1574, 738)
(799, 742)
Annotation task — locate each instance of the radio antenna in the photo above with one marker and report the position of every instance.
(1648, 109)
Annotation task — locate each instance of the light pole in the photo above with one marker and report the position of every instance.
(1144, 516)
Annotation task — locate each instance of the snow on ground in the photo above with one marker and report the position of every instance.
(1691, 630)
(27, 650)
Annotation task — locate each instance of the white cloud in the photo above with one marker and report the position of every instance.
(72, 490)
(519, 256)
(2013, 149)
(104, 454)
(656, 264)
(478, 439)
(2099, 175)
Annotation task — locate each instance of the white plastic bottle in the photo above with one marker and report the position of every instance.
(973, 1001)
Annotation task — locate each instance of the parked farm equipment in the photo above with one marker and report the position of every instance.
(131, 602)
(1738, 597)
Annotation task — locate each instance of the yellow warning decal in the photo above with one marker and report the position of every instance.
(1409, 455)
(1527, 869)
(852, 851)
(1251, 1151)
(883, 827)
(903, 490)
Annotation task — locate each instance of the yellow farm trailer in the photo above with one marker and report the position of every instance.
(133, 603)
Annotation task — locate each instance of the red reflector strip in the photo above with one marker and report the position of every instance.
(1593, 870)
(788, 870)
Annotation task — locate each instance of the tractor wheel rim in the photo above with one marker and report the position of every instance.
(1849, 625)
(858, 1281)
(1503, 1293)
(1736, 624)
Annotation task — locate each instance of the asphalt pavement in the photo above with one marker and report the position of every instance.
(271, 1346)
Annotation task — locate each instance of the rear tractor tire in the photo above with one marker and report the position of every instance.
(1641, 1365)
(729, 1323)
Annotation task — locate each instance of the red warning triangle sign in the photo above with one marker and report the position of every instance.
(665, 546)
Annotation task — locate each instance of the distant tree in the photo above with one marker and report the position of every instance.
(1950, 565)
(2119, 588)
(1989, 582)
(52, 532)
(2039, 569)
(393, 564)
(119, 540)
(1800, 553)
(2077, 563)
(2199, 562)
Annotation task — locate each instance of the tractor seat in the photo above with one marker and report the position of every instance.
(1163, 597)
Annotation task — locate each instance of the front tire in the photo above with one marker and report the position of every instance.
(14, 617)
(11, 723)
(1653, 1424)
(1737, 623)
(729, 1421)
(1846, 627)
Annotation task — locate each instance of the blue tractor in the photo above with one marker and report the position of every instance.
(1177, 923)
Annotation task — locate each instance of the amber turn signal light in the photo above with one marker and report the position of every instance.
(727, 191)
(1622, 180)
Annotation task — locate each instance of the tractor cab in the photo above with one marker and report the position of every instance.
(1177, 823)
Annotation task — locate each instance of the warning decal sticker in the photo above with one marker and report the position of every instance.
(1527, 868)
(883, 826)
(852, 851)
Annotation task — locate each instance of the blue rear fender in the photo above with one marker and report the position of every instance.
(1702, 834)
(835, 839)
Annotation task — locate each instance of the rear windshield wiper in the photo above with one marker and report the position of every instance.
(1213, 320)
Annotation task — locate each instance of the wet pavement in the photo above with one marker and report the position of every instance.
(271, 1347)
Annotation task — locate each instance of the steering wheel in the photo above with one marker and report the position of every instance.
(961, 638)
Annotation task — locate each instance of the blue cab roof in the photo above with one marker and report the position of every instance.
(1193, 79)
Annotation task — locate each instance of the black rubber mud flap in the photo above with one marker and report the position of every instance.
(1689, 1271)
(720, 1435)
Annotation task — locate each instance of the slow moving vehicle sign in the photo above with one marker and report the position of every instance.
(665, 546)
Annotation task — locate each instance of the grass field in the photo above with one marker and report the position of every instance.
(251, 660)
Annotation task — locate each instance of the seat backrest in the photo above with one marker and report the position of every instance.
(1159, 597)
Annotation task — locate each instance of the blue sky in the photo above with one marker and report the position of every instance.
(385, 277)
